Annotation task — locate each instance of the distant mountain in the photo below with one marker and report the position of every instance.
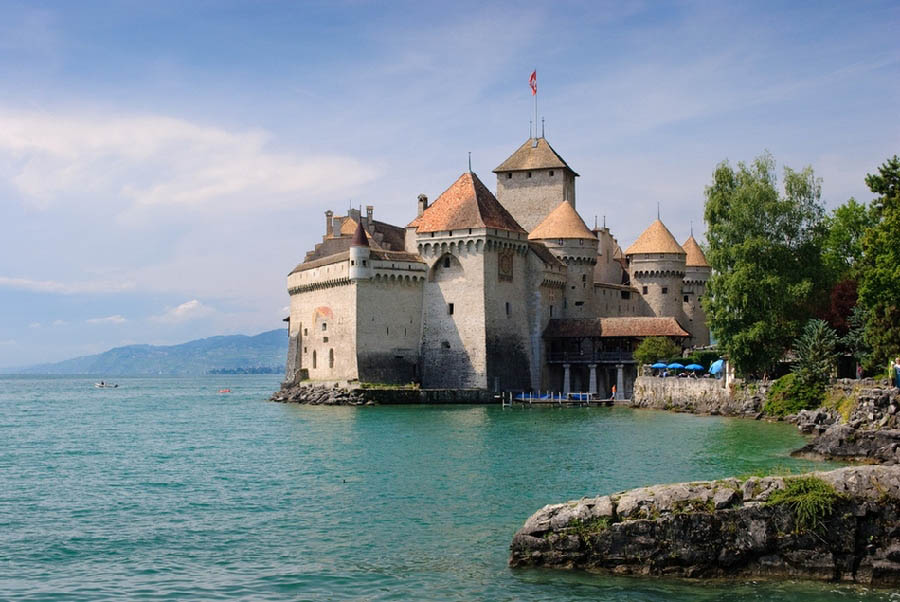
(264, 352)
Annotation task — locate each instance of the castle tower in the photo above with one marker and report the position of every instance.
(696, 274)
(476, 296)
(533, 181)
(360, 264)
(656, 264)
(565, 234)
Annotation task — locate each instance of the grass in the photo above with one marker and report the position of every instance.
(585, 529)
(811, 500)
(789, 395)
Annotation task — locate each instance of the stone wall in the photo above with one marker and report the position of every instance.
(506, 301)
(389, 330)
(696, 395)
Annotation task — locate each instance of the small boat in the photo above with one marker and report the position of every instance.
(224, 390)
(105, 385)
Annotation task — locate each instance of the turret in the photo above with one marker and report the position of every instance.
(565, 234)
(696, 274)
(656, 264)
(360, 264)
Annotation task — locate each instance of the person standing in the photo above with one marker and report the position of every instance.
(896, 374)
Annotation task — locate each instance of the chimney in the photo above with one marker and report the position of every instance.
(328, 216)
(369, 210)
(336, 227)
(423, 204)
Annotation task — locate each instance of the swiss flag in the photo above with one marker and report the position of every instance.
(532, 82)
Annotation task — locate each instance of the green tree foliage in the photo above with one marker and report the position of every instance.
(879, 280)
(816, 351)
(842, 246)
(855, 339)
(765, 251)
(652, 349)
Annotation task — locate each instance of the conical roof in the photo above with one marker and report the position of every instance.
(360, 237)
(695, 256)
(655, 239)
(563, 222)
(466, 204)
(533, 156)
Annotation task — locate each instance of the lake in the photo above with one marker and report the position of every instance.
(164, 488)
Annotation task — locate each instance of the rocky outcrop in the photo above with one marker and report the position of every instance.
(860, 423)
(698, 396)
(333, 395)
(728, 528)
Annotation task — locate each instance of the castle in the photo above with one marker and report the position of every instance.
(505, 292)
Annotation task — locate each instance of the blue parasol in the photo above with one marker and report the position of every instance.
(716, 366)
(658, 366)
(675, 366)
(693, 367)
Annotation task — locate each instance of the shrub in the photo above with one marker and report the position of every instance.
(810, 499)
(652, 349)
(816, 353)
(789, 395)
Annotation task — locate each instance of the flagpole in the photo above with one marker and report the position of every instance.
(535, 104)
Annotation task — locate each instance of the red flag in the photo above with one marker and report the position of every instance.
(532, 81)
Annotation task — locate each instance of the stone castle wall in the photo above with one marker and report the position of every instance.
(389, 329)
(531, 199)
(507, 308)
(662, 275)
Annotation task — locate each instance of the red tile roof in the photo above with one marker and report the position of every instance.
(615, 328)
(466, 204)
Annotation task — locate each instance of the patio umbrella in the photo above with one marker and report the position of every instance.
(693, 367)
(658, 366)
(675, 366)
(716, 366)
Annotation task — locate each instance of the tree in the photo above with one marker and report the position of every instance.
(765, 251)
(816, 351)
(879, 279)
(842, 246)
(855, 339)
(652, 349)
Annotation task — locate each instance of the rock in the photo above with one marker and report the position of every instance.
(725, 529)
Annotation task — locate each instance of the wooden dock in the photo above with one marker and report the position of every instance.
(511, 399)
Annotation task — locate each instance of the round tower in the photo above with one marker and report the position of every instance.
(656, 265)
(360, 264)
(565, 234)
(696, 274)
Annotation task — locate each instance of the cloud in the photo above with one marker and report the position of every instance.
(52, 286)
(116, 319)
(59, 322)
(152, 161)
(189, 310)
(34, 325)
(7, 343)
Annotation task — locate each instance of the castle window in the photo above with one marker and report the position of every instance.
(450, 309)
(304, 332)
(445, 344)
(584, 278)
(324, 326)
(507, 308)
(352, 262)
(387, 330)
(644, 290)
(665, 290)
(364, 263)
(579, 303)
(324, 339)
(551, 173)
(565, 303)
(331, 358)
(551, 311)
(470, 230)
(685, 298)
(626, 294)
(529, 175)
(509, 176)
(447, 262)
(304, 350)
(314, 359)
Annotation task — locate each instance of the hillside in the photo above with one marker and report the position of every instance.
(234, 352)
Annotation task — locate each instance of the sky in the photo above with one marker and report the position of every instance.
(164, 165)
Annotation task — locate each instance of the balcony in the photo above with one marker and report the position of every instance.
(597, 357)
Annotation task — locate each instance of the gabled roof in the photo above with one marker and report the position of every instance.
(531, 156)
(615, 328)
(544, 254)
(695, 256)
(655, 239)
(563, 222)
(466, 204)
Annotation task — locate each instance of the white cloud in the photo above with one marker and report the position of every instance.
(59, 322)
(189, 310)
(116, 319)
(142, 161)
(34, 325)
(52, 286)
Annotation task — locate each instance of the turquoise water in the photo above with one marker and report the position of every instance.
(164, 488)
